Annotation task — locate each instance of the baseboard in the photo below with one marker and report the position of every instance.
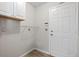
(26, 52)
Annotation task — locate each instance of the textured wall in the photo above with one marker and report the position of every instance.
(15, 44)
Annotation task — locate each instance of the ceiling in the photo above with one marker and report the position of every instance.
(36, 4)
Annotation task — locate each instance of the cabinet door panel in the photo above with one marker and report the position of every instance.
(19, 9)
(6, 8)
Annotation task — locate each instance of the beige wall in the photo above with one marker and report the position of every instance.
(42, 16)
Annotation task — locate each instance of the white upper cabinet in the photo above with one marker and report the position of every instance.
(6, 8)
(19, 9)
(10, 13)
(12, 9)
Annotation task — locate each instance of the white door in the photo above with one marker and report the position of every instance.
(62, 30)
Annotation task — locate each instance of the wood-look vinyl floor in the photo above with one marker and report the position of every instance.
(36, 53)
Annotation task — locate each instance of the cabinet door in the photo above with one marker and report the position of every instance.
(6, 8)
(19, 9)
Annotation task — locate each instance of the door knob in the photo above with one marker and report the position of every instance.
(51, 34)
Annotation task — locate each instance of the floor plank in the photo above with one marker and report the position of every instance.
(36, 53)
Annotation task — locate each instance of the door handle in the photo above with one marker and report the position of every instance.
(51, 30)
